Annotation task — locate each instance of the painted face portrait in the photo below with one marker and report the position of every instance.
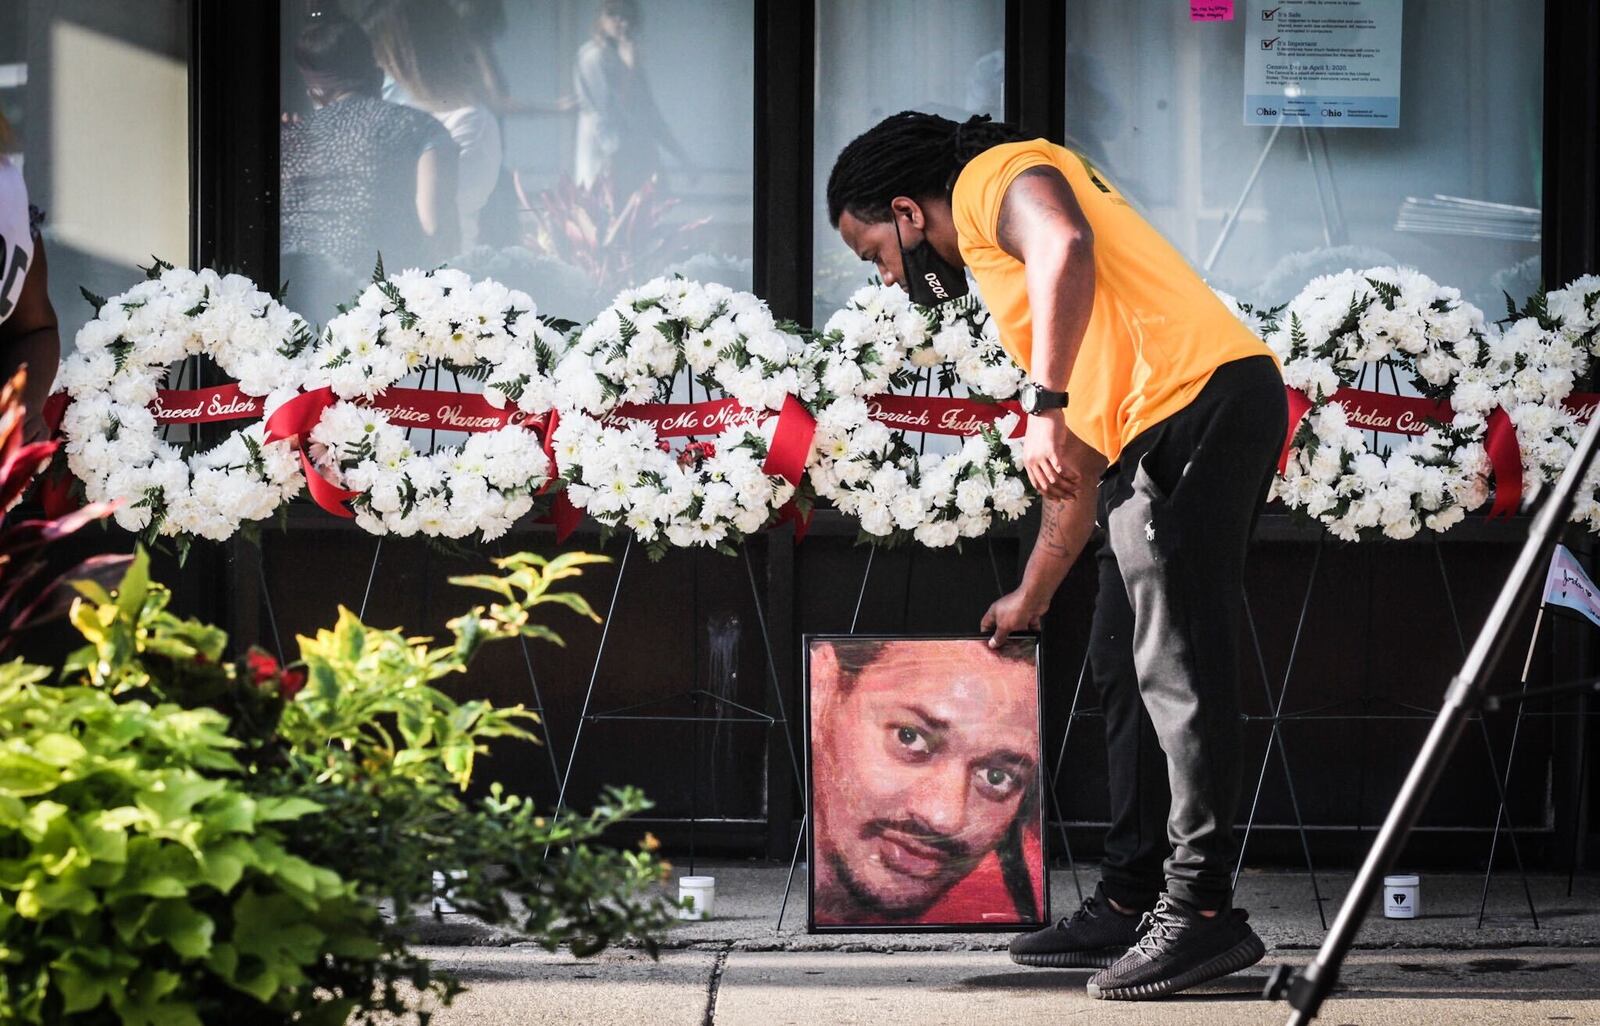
(925, 782)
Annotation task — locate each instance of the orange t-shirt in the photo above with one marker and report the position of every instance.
(1157, 331)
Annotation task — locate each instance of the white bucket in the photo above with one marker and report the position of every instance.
(443, 894)
(698, 894)
(1402, 896)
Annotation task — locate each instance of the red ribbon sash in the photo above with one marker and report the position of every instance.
(179, 406)
(682, 420)
(1582, 405)
(791, 440)
(937, 415)
(1412, 415)
(428, 409)
(205, 405)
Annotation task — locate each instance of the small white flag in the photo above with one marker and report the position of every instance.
(1567, 585)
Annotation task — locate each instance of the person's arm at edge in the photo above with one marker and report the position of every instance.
(32, 336)
(1041, 224)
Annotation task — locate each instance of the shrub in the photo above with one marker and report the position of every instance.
(184, 838)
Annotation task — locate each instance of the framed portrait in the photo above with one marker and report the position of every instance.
(924, 767)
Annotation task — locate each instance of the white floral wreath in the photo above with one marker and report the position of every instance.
(1547, 346)
(879, 342)
(411, 322)
(122, 359)
(1399, 320)
(713, 492)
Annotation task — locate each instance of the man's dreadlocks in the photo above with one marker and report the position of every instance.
(908, 154)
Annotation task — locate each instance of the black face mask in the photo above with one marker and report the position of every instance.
(929, 278)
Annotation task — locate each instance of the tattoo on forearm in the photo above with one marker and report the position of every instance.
(1055, 529)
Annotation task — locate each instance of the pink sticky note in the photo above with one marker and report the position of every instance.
(1210, 10)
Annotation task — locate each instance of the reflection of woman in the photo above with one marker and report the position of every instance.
(485, 21)
(621, 132)
(435, 65)
(28, 333)
(359, 176)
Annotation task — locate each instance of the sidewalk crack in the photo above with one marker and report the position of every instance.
(710, 1018)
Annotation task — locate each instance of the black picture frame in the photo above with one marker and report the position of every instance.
(1041, 783)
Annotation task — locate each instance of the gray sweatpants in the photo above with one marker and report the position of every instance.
(1178, 508)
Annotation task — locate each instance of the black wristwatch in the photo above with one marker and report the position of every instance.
(1035, 399)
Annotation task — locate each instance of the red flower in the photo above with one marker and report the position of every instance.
(696, 453)
(265, 671)
(290, 683)
(263, 668)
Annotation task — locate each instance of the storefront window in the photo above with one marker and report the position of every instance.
(874, 59)
(1157, 101)
(591, 145)
(97, 94)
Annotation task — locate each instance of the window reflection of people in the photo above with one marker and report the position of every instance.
(485, 21)
(434, 64)
(359, 175)
(28, 331)
(621, 132)
(924, 777)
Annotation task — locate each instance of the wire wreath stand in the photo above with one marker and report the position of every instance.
(538, 706)
(726, 710)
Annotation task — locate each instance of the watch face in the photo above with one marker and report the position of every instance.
(1028, 398)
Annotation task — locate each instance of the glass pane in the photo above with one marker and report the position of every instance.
(875, 59)
(87, 81)
(588, 154)
(1157, 102)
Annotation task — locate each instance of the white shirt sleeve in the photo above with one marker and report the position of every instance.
(16, 236)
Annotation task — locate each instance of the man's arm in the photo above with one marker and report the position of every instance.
(1042, 225)
(1064, 530)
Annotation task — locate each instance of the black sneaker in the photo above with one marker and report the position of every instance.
(1093, 937)
(1179, 949)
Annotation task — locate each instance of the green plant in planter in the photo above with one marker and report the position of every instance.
(185, 839)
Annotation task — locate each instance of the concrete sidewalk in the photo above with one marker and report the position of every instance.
(527, 987)
(1282, 906)
(737, 970)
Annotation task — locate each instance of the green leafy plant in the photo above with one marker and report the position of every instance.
(185, 838)
(142, 883)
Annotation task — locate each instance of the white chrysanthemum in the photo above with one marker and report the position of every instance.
(880, 342)
(1368, 330)
(632, 352)
(123, 359)
(407, 324)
